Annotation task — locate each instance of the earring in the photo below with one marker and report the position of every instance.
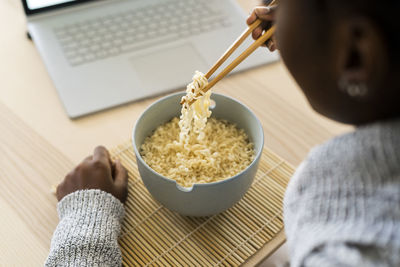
(353, 89)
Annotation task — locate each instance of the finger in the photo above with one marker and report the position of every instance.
(270, 44)
(101, 154)
(257, 32)
(121, 175)
(251, 18)
(121, 180)
(276, 46)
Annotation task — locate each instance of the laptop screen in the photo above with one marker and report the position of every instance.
(39, 6)
(35, 4)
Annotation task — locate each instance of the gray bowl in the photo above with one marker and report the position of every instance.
(200, 199)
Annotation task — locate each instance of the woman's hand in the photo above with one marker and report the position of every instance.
(96, 172)
(267, 15)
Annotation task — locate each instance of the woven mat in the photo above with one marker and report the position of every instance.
(153, 235)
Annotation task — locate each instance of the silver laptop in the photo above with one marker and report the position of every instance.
(103, 53)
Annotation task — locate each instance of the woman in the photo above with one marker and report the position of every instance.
(342, 207)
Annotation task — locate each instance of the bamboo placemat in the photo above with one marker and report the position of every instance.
(153, 235)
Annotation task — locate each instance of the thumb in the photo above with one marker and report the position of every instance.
(121, 180)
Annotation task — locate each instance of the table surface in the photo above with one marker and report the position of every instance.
(39, 143)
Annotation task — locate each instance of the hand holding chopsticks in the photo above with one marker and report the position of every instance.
(259, 42)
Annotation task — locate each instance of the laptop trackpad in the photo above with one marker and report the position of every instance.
(168, 69)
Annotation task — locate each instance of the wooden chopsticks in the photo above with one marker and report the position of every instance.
(260, 41)
(233, 47)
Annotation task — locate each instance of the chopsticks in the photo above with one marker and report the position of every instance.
(260, 41)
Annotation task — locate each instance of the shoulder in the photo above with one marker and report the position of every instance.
(373, 148)
(365, 160)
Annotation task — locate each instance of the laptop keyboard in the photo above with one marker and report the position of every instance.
(135, 29)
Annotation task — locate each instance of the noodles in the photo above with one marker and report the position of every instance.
(194, 117)
(193, 150)
(222, 153)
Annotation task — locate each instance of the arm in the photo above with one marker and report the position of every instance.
(90, 210)
(88, 230)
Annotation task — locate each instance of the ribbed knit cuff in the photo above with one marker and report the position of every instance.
(87, 235)
(89, 203)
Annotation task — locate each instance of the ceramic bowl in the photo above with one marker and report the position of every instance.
(200, 199)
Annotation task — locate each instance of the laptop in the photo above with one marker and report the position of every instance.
(104, 53)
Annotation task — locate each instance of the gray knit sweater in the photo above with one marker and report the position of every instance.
(342, 208)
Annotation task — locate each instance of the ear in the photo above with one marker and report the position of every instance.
(362, 56)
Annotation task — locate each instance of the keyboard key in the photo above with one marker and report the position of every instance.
(114, 51)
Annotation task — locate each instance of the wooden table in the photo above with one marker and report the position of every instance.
(39, 144)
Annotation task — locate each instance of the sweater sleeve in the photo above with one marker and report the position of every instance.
(87, 234)
(341, 207)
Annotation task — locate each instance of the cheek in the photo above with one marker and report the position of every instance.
(305, 57)
(301, 52)
(293, 42)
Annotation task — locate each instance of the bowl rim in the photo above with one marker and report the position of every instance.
(189, 189)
